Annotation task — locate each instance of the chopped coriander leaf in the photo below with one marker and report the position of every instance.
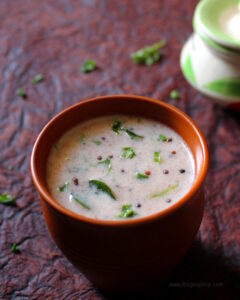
(14, 248)
(174, 94)
(64, 187)
(128, 152)
(102, 186)
(97, 142)
(107, 162)
(127, 212)
(37, 79)
(7, 200)
(157, 157)
(88, 66)
(10, 168)
(117, 126)
(82, 139)
(80, 201)
(21, 93)
(142, 176)
(149, 55)
(162, 138)
(166, 191)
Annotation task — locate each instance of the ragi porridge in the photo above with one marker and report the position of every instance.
(119, 167)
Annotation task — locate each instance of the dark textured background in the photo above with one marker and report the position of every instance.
(54, 37)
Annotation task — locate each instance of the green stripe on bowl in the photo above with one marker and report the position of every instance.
(225, 87)
(188, 70)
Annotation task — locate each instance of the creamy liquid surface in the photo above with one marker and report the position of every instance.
(230, 22)
(77, 157)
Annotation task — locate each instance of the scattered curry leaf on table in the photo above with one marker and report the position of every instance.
(7, 199)
(21, 93)
(14, 248)
(150, 54)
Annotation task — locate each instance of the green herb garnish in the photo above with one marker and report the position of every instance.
(10, 168)
(165, 192)
(82, 139)
(21, 93)
(142, 176)
(97, 142)
(100, 185)
(157, 157)
(7, 200)
(127, 212)
(107, 162)
(128, 152)
(80, 201)
(37, 79)
(162, 138)
(149, 55)
(14, 248)
(117, 126)
(64, 187)
(133, 135)
(88, 66)
(174, 94)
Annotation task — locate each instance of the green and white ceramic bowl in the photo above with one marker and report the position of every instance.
(209, 60)
(209, 73)
(219, 20)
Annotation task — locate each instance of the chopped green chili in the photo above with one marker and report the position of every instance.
(81, 201)
(149, 55)
(108, 163)
(97, 142)
(157, 157)
(88, 66)
(37, 79)
(174, 94)
(7, 200)
(162, 138)
(166, 191)
(128, 152)
(127, 212)
(64, 187)
(102, 186)
(142, 176)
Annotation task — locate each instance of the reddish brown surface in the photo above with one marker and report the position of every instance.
(54, 38)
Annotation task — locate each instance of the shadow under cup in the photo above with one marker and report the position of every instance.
(126, 255)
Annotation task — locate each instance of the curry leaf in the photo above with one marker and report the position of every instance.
(102, 186)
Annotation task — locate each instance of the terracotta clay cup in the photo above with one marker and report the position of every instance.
(125, 255)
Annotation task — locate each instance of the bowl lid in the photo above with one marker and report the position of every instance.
(216, 46)
(219, 20)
